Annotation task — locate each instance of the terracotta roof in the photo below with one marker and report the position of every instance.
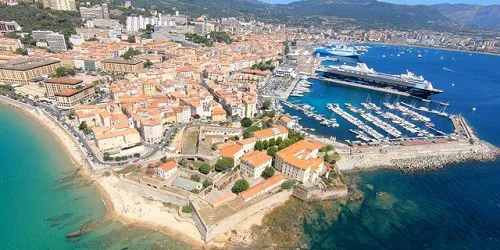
(218, 111)
(231, 150)
(67, 81)
(169, 165)
(247, 141)
(262, 186)
(71, 92)
(256, 158)
(286, 119)
(269, 132)
(254, 72)
(298, 154)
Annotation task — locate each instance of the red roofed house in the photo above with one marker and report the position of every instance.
(167, 169)
(269, 133)
(286, 121)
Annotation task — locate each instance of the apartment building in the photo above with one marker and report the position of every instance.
(120, 65)
(152, 130)
(218, 114)
(68, 5)
(54, 85)
(254, 163)
(300, 161)
(10, 44)
(69, 98)
(95, 12)
(109, 139)
(24, 70)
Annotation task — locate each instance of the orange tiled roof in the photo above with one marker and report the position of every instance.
(169, 165)
(297, 155)
(256, 158)
(269, 132)
(230, 150)
(262, 186)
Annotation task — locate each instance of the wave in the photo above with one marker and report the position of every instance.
(447, 69)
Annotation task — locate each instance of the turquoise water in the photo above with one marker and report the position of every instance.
(453, 208)
(42, 199)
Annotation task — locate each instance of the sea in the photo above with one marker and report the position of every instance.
(457, 207)
(42, 198)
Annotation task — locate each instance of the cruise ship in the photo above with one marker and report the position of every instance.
(338, 50)
(409, 82)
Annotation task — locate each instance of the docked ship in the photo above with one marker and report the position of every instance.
(339, 50)
(409, 82)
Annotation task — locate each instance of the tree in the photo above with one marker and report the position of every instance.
(195, 178)
(268, 173)
(82, 125)
(131, 39)
(207, 183)
(282, 145)
(258, 146)
(137, 155)
(187, 209)
(267, 104)
(224, 164)
(64, 71)
(279, 140)
(246, 122)
(287, 185)
(272, 142)
(240, 186)
(147, 64)
(204, 168)
(164, 159)
(272, 151)
(265, 144)
(131, 52)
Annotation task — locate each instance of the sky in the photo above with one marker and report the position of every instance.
(481, 2)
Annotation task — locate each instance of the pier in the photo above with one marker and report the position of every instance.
(362, 86)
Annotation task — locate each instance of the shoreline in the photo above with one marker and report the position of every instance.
(77, 159)
(436, 48)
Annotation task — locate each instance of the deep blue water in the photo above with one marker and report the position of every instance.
(453, 208)
(476, 80)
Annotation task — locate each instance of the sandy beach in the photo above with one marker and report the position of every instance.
(121, 206)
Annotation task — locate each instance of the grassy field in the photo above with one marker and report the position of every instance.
(190, 141)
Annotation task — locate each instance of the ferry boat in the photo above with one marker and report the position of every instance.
(409, 82)
(339, 50)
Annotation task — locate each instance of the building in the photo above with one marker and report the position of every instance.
(56, 42)
(269, 133)
(41, 34)
(25, 70)
(167, 169)
(300, 161)
(95, 12)
(108, 139)
(253, 164)
(218, 114)
(264, 186)
(54, 85)
(286, 121)
(136, 23)
(68, 98)
(233, 151)
(68, 5)
(250, 107)
(120, 65)
(7, 27)
(10, 44)
(152, 130)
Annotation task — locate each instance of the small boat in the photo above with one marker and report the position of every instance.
(419, 56)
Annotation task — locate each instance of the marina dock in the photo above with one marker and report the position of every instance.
(362, 86)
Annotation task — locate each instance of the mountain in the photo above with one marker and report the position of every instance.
(370, 12)
(484, 16)
(337, 13)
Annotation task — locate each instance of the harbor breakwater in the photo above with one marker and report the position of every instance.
(417, 158)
